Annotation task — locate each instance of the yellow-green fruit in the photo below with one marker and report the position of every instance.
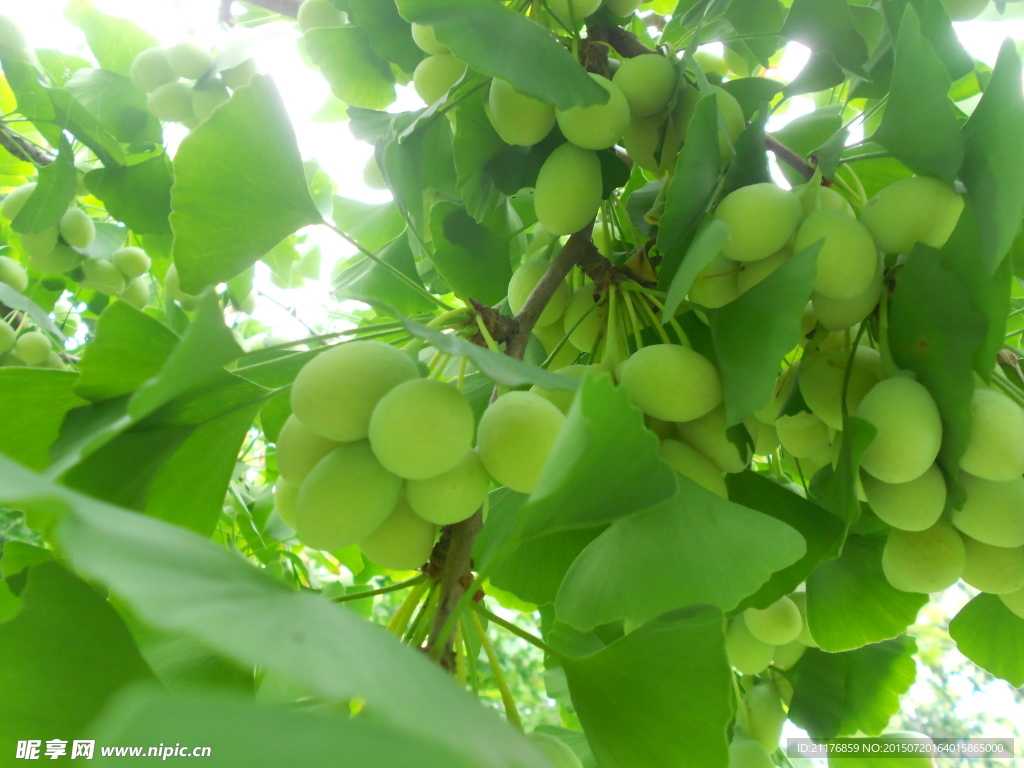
(671, 382)
(190, 60)
(8, 336)
(13, 274)
(802, 434)
(39, 243)
(766, 437)
(285, 497)
(402, 542)
(717, 284)
(909, 430)
(136, 293)
(847, 259)
(840, 314)
(584, 319)
(752, 273)
(133, 262)
(996, 570)
(829, 200)
(32, 348)
(786, 656)
(54, 361)
(622, 7)
(518, 119)
(335, 393)
(777, 624)
(568, 191)
(993, 512)
(598, 126)
(524, 280)
(435, 76)
(426, 40)
(57, 260)
(648, 82)
(551, 336)
(761, 219)
(421, 428)
(923, 561)
(172, 102)
(764, 714)
(913, 506)
(556, 751)
(173, 289)
(345, 498)
(691, 463)
(16, 200)
(964, 10)
(572, 9)
(206, 99)
(1014, 601)
(11, 35)
(641, 141)
(452, 496)
(745, 652)
(919, 209)
(515, 437)
(151, 69)
(299, 449)
(800, 598)
(996, 447)
(730, 113)
(563, 398)
(240, 75)
(821, 382)
(708, 435)
(747, 753)
(100, 275)
(711, 63)
(77, 228)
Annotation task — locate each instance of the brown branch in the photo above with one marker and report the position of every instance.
(22, 148)
(625, 43)
(289, 8)
(789, 157)
(455, 580)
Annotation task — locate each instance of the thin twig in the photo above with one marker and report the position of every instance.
(22, 148)
(789, 157)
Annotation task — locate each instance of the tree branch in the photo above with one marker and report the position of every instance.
(789, 157)
(626, 43)
(22, 148)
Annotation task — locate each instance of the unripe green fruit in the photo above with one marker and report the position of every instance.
(173, 289)
(551, 337)
(1015, 602)
(8, 336)
(913, 506)
(766, 437)
(778, 624)
(840, 314)
(622, 7)
(421, 428)
(426, 40)
(745, 652)
(189, 60)
(563, 398)
(731, 122)
(568, 191)
(54, 362)
(515, 437)
(923, 561)
(752, 273)
(12, 273)
(829, 200)
(133, 262)
(102, 276)
(518, 119)
(648, 82)
(964, 10)
(556, 751)
(299, 449)
(786, 656)
(598, 126)
(206, 99)
(373, 177)
(402, 542)
(241, 75)
(716, 285)
(452, 496)
(568, 10)
(746, 753)
(996, 570)
(690, 462)
(711, 63)
(764, 715)
(918, 209)
(77, 228)
(993, 512)
(435, 76)
(32, 347)
(761, 219)
(671, 382)
(800, 599)
(11, 35)
(996, 447)
(16, 200)
(821, 382)
(909, 430)
(345, 498)
(641, 142)
(58, 260)
(524, 280)
(847, 259)
(136, 293)
(172, 103)
(335, 393)
(318, 14)
(151, 69)
(285, 497)
(708, 435)
(39, 243)
(802, 435)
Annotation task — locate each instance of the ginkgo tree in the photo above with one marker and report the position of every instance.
(717, 400)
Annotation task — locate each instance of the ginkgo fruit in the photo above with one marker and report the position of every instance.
(335, 393)
(919, 209)
(188, 59)
(584, 318)
(100, 275)
(908, 430)
(555, 750)
(846, 258)
(912, 506)
(136, 293)
(821, 380)
(131, 261)
(39, 243)
(996, 447)
(13, 274)
(451, 496)
(764, 715)
(993, 510)
(691, 463)
(172, 102)
(207, 98)
(645, 137)
(671, 382)
(57, 260)
(172, 287)
(524, 280)
(745, 652)
(568, 191)
(515, 437)
(299, 449)
(996, 570)
(8, 337)
(16, 199)
(319, 14)
(77, 228)
(577, 10)
(597, 126)
(32, 348)
(803, 435)
(402, 542)
(761, 218)
(747, 753)
(776, 624)
(150, 69)
(285, 497)
(840, 314)
(426, 39)
(563, 398)
(435, 76)
(1014, 601)
(709, 435)
(923, 561)
(648, 82)
(519, 120)
(421, 428)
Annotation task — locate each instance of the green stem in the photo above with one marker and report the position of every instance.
(888, 364)
(634, 323)
(382, 590)
(655, 322)
(421, 625)
(519, 632)
(400, 620)
(507, 700)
